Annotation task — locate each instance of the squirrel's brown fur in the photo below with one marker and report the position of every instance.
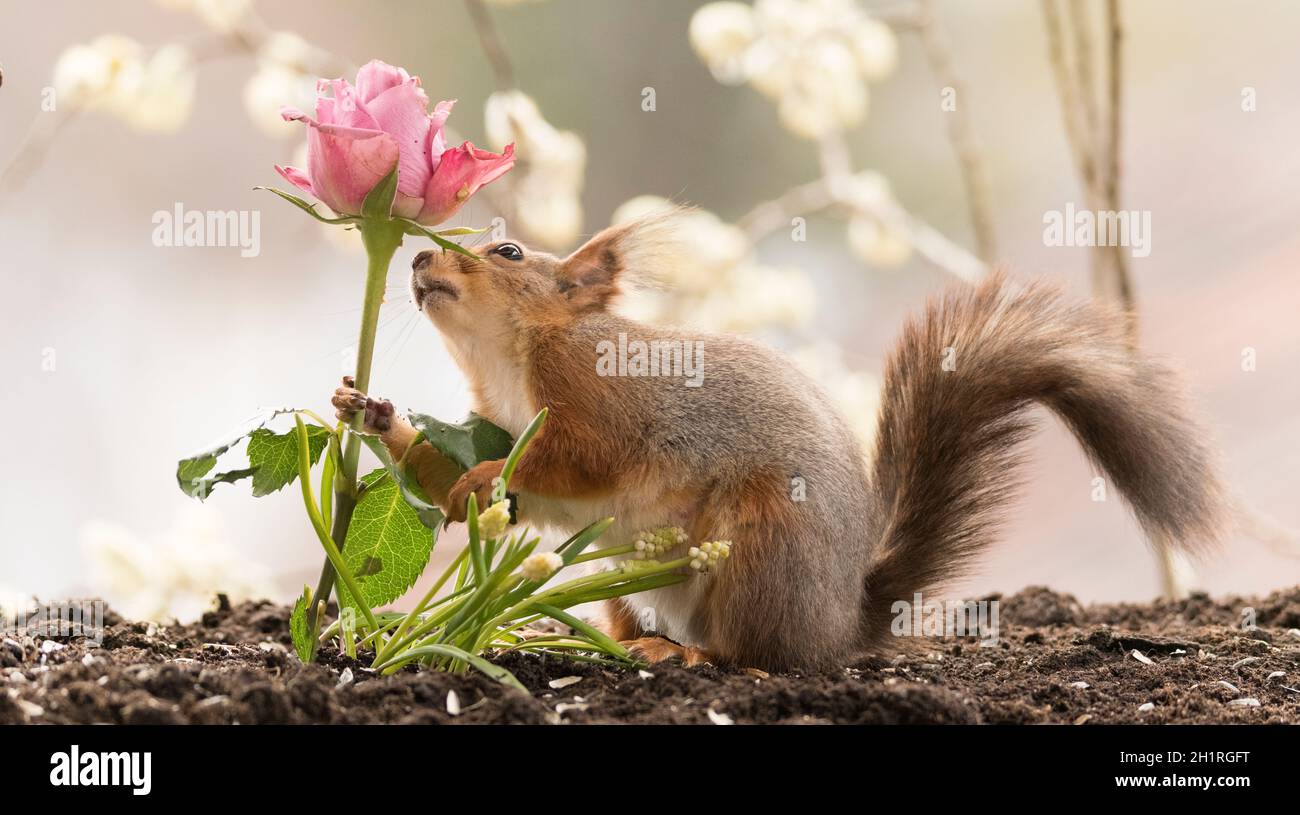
(813, 571)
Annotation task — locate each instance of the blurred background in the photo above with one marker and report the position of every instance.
(849, 159)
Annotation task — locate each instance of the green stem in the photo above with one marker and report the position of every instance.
(381, 238)
(313, 512)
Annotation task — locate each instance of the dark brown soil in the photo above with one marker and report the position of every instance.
(1057, 662)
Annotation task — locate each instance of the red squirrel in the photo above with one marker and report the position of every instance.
(813, 571)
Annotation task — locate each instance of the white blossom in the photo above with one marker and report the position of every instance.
(175, 574)
(812, 57)
(541, 565)
(548, 184)
(113, 74)
(492, 522)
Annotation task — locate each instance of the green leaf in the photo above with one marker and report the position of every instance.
(274, 456)
(310, 208)
(439, 649)
(412, 228)
(598, 638)
(460, 230)
(387, 546)
(429, 515)
(302, 639)
(473, 440)
(379, 201)
(191, 469)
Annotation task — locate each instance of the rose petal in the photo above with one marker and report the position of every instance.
(460, 174)
(437, 138)
(400, 112)
(297, 178)
(377, 76)
(344, 108)
(344, 168)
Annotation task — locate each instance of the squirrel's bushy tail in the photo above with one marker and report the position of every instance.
(946, 444)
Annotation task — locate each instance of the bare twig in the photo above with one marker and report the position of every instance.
(961, 132)
(1067, 84)
(502, 69)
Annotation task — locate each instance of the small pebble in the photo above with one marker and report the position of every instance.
(453, 703)
(1246, 702)
(1141, 657)
(719, 718)
(1079, 685)
(564, 681)
(1148, 706)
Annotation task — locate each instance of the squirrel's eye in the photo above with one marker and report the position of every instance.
(509, 251)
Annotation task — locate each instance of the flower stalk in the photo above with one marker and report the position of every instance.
(381, 237)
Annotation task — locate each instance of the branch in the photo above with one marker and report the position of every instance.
(961, 132)
(488, 37)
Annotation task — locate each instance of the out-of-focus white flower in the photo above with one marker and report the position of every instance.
(492, 522)
(553, 165)
(708, 278)
(707, 250)
(172, 575)
(721, 33)
(222, 16)
(112, 74)
(855, 393)
(541, 565)
(271, 86)
(877, 244)
(812, 57)
(160, 97)
(12, 601)
(86, 74)
(283, 77)
(876, 48)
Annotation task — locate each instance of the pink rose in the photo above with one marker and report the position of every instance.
(360, 132)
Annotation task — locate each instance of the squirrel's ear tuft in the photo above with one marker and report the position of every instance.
(631, 255)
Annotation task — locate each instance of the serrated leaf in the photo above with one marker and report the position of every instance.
(302, 641)
(412, 228)
(274, 456)
(310, 208)
(379, 201)
(429, 514)
(191, 469)
(473, 440)
(387, 546)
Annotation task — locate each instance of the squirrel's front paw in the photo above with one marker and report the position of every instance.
(479, 481)
(348, 401)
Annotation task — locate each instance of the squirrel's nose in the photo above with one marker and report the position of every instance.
(422, 259)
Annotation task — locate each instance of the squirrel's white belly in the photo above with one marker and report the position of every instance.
(666, 611)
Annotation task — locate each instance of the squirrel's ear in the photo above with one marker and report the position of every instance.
(619, 258)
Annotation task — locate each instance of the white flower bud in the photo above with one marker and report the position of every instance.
(541, 565)
(492, 522)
